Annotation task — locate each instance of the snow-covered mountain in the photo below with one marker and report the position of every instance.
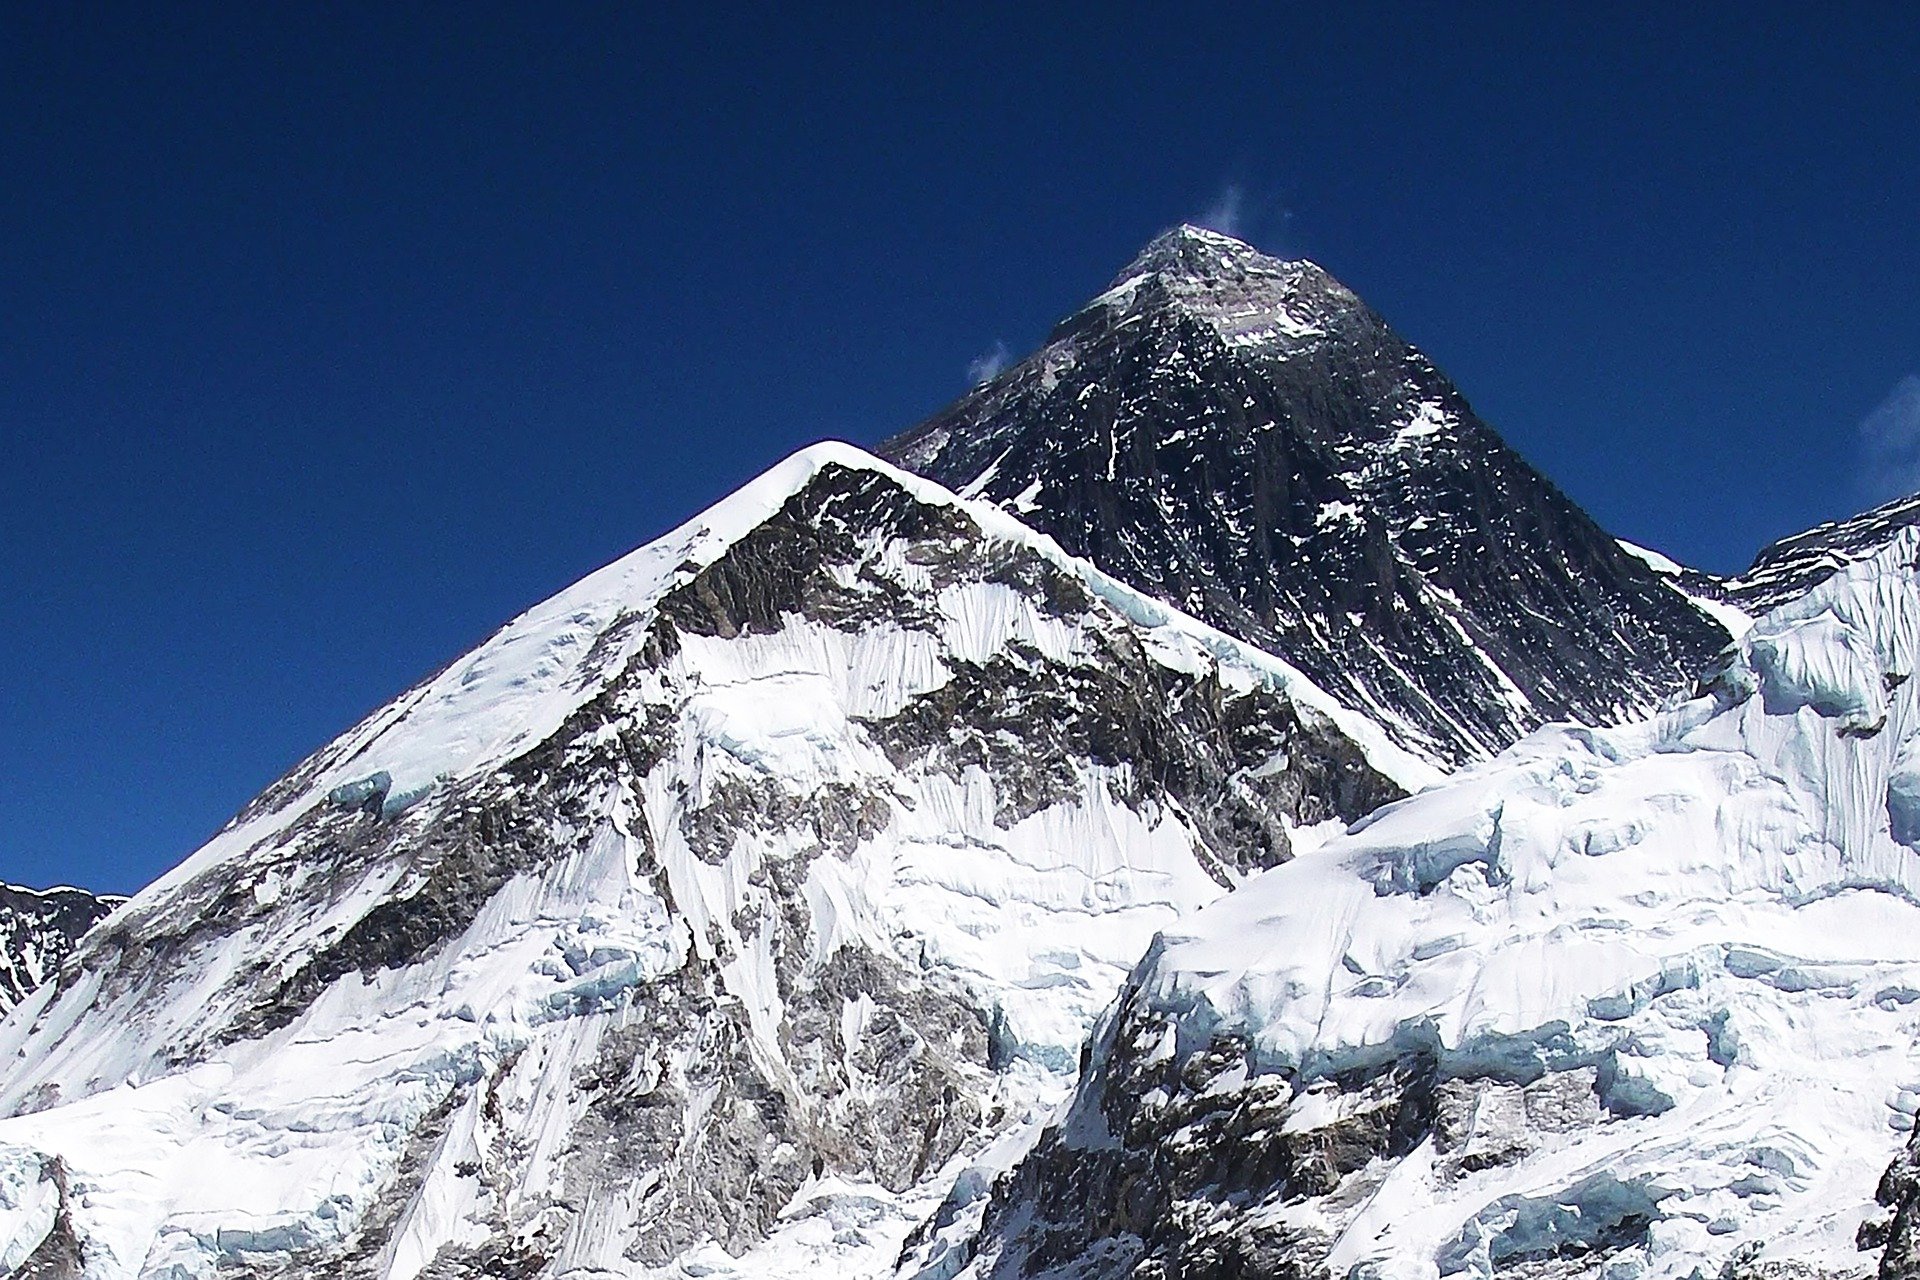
(729, 903)
(746, 909)
(38, 930)
(1637, 1002)
(1243, 437)
(1794, 565)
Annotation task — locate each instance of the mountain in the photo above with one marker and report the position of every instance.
(710, 918)
(861, 881)
(1794, 565)
(1628, 1002)
(38, 930)
(1243, 437)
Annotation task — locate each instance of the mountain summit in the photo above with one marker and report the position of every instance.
(1248, 298)
(1187, 252)
(1243, 437)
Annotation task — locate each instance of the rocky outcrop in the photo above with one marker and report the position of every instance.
(39, 929)
(1898, 1235)
(1795, 565)
(1149, 1175)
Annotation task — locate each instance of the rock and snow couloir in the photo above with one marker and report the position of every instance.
(1637, 1002)
(724, 906)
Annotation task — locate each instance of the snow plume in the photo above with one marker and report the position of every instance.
(1227, 213)
(1258, 213)
(1890, 442)
(988, 365)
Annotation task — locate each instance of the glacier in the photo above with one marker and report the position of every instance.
(1636, 1002)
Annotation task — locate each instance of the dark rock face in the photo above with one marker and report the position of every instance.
(1793, 566)
(1243, 437)
(1180, 1162)
(61, 1255)
(38, 930)
(1152, 1174)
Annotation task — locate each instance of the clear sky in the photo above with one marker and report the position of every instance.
(328, 343)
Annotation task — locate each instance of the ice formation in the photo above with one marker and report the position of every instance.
(1639, 1002)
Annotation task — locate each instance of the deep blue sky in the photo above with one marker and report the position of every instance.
(329, 343)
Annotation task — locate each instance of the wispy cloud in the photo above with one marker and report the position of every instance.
(1890, 443)
(988, 365)
(1227, 213)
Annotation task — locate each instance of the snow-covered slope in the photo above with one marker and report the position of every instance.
(1244, 437)
(1796, 564)
(38, 930)
(1639, 1002)
(730, 901)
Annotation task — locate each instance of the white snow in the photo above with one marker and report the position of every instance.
(1427, 420)
(1335, 512)
(1652, 559)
